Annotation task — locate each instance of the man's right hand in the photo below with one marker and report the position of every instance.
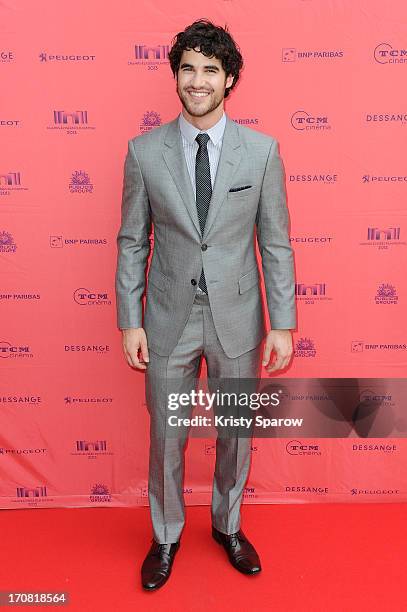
(135, 340)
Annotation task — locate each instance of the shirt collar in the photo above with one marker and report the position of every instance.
(189, 131)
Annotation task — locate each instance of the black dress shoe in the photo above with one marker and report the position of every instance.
(156, 568)
(241, 553)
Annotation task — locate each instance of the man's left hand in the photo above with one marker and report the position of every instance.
(280, 341)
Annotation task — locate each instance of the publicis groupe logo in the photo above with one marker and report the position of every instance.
(385, 53)
(386, 294)
(7, 244)
(14, 351)
(311, 293)
(86, 297)
(304, 121)
(43, 56)
(296, 447)
(311, 240)
(291, 54)
(80, 182)
(151, 56)
(149, 121)
(100, 493)
(93, 448)
(305, 347)
(322, 178)
(57, 242)
(6, 56)
(10, 182)
(383, 237)
(72, 121)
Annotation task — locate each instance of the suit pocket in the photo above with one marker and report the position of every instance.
(249, 279)
(158, 279)
(232, 195)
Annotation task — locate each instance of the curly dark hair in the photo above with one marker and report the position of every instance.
(212, 41)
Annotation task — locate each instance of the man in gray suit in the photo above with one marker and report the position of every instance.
(208, 186)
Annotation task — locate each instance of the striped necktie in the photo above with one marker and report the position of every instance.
(203, 189)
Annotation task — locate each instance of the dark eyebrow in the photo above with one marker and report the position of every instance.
(185, 65)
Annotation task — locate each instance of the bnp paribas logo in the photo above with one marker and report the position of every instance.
(384, 53)
(100, 493)
(305, 347)
(7, 244)
(386, 294)
(149, 121)
(149, 55)
(80, 182)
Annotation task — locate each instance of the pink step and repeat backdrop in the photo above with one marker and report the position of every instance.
(328, 80)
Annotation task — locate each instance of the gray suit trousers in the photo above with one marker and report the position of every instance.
(166, 457)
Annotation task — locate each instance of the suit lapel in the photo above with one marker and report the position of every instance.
(229, 159)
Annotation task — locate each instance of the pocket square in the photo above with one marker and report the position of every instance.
(240, 188)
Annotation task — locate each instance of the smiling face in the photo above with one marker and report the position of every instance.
(201, 84)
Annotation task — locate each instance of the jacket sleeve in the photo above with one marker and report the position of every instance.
(133, 244)
(272, 223)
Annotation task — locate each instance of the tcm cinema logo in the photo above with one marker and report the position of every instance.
(305, 347)
(314, 240)
(295, 447)
(312, 293)
(249, 493)
(80, 182)
(6, 56)
(32, 496)
(14, 351)
(383, 238)
(7, 244)
(58, 242)
(85, 297)
(51, 57)
(91, 448)
(385, 53)
(151, 56)
(386, 294)
(10, 182)
(149, 121)
(321, 179)
(358, 346)
(303, 121)
(290, 54)
(100, 494)
(71, 122)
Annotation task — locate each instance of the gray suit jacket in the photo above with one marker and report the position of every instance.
(157, 190)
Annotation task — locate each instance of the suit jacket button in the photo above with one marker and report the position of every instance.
(204, 247)
(193, 281)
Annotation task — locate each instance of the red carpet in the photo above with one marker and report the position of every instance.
(314, 557)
